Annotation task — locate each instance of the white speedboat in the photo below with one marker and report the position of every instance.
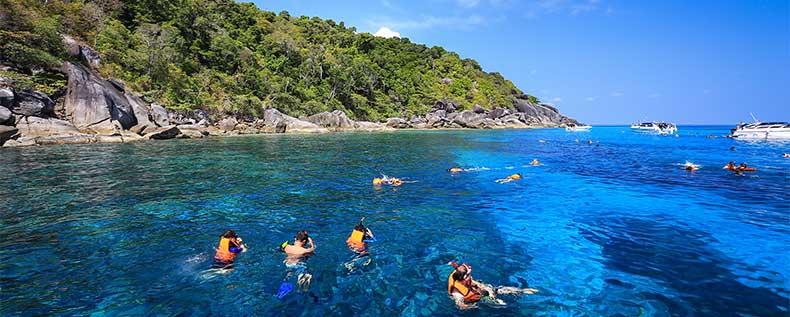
(762, 130)
(663, 128)
(578, 128)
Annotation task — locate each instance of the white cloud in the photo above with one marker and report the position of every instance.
(428, 22)
(590, 98)
(556, 99)
(385, 32)
(467, 3)
(616, 94)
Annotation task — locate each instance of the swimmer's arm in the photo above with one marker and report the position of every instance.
(371, 237)
(312, 246)
(459, 301)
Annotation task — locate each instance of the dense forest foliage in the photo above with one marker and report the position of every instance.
(233, 58)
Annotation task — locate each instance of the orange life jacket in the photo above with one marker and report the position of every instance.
(223, 252)
(469, 295)
(355, 240)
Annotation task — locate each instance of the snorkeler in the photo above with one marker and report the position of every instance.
(786, 155)
(730, 166)
(466, 292)
(360, 237)
(745, 168)
(296, 254)
(509, 178)
(690, 166)
(386, 180)
(534, 162)
(230, 245)
(358, 243)
(455, 170)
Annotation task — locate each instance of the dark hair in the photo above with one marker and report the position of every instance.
(229, 234)
(302, 236)
(460, 273)
(360, 227)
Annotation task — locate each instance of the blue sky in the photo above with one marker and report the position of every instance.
(605, 61)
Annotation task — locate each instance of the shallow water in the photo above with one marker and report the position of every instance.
(616, 228)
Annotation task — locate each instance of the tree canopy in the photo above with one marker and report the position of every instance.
(227, 57)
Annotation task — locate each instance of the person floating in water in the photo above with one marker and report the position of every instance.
(786, 155)
(296, 255)
(386, 180)
(230, 245)
(358, 243)
(534, 162)
(509, 179)
(690, 166)
(455, 170)
(466, 292)
(745, 168)
(730, 166)
(589, 142)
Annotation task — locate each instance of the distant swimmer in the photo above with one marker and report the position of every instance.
(690, 166)
(542, 141)
(466, 292)
(509, 179)
(534, 162)
(577, 140)
(732, 148)
(589, 142)
(786, 155)
(386, 180)
(744, 168)
(730, 166)
(230, 245)
(455, 170)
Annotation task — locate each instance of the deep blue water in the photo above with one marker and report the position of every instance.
(613, 229)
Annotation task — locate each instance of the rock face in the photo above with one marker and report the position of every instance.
(540, 113)
(272, 117)
(228, 124)
(6, 116)
(159, 115)
(6, 98)
(164, 133)
(92, 103)
(6, 132)
(32, 103)
(335, 120)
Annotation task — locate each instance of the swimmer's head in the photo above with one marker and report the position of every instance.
(230, 234)
(516, 176)
(302, 236)
(377, 181)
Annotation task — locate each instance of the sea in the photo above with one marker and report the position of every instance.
(609, 223)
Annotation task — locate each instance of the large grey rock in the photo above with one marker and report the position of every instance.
(159, 115)
(42, 127)
(397, 123)
(192, 131)
(479, 109)
(90, 56)
(335, 120)
(369, 126)
(6, 117)
(163, 133)
(6, 132)
(498, 112)
(445, 104)
(32, 103)
(6, 98)
(140, 111)
(539, 114)
(92, 103)
(228, 124)
(272, 117)
(469, 119)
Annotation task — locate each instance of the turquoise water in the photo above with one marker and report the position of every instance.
(613, 229)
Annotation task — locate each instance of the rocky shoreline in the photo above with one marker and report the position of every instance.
(93, 109)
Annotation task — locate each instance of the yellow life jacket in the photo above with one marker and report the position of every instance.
(223, 252)
(469, 295)
(355, 240)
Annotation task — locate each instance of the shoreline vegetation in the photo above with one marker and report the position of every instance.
(75, 72)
